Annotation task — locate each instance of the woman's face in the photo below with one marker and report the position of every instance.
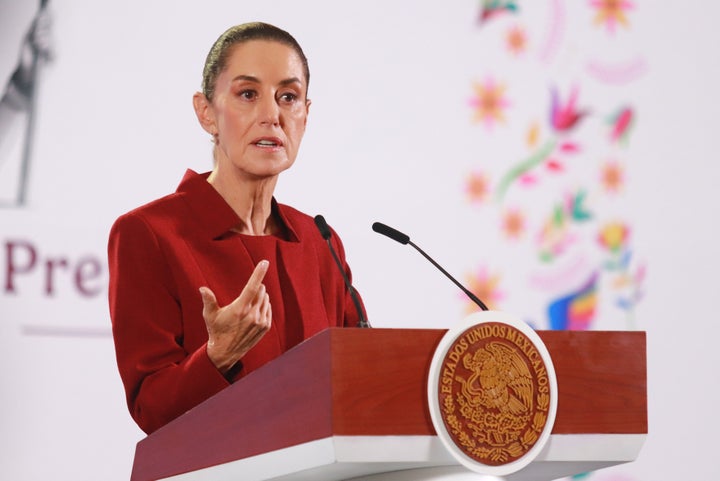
(259, 109)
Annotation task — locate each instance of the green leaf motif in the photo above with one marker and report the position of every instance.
(579, 211)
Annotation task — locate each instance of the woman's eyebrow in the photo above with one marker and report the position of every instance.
(248, 78)
(291, 80)
(252, 78)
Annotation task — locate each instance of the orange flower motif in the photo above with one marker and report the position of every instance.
(513, 223)
(477, 187)
(612, 176)
(485, 286)
(516, 40)
(611, 12)
(489, 102)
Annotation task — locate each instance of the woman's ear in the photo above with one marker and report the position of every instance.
(205, 113)
(307, 109)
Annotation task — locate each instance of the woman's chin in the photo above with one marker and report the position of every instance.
(267, 170)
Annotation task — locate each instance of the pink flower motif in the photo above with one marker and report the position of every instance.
(565, 116)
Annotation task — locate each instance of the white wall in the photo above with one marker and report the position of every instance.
(390, 138)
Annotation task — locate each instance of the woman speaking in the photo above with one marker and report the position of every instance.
(216, 279)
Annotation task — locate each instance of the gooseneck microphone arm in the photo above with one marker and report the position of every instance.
(404, 239)
(326, 234)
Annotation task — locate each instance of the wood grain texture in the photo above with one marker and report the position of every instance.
(284, 403)
(601, 381)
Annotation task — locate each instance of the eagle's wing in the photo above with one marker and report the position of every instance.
(517, 376)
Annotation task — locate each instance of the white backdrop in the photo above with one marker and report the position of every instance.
(390, 138)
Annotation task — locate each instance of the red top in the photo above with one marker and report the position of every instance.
(160, 254)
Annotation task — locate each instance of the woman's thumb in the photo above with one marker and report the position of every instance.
(209, 301)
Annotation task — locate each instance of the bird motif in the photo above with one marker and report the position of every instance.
(491, 8)
(500, 380)
(564, 118)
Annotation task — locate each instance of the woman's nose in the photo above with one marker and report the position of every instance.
(269, 111)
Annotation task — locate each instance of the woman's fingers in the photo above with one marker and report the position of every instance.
(254, 284)
(236, 328)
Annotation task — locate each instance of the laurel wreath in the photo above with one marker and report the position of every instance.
(496, 454)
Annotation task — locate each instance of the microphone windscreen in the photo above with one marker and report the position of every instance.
(388, 231)
(322, 226)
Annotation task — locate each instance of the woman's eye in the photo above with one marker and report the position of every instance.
(288, 97)
(248, 94)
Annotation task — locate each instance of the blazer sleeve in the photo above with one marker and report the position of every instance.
(162, 380)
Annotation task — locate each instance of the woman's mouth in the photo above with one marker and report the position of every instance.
(268, 143)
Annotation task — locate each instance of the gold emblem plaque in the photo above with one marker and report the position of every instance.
(495, 389)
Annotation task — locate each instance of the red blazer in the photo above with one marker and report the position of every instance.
(160, 254)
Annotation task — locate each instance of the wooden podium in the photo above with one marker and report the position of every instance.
(353, 403)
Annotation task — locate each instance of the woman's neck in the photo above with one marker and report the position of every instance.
(250, 199)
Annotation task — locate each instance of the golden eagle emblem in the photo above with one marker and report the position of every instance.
(500, 380)
(493, 393)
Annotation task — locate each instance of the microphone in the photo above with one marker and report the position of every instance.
(326, 234)
(404, 239)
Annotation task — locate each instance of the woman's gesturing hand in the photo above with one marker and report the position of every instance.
(235, 328)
